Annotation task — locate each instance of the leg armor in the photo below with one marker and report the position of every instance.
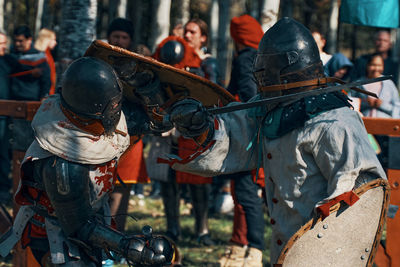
(68, 187)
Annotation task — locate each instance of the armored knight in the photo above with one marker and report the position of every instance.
(68, 172)
(314, 150)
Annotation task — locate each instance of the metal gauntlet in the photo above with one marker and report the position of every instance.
(192, 120)
(146, 249)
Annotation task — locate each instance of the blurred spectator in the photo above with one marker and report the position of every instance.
(383, 45)
(196, 34)
(382, 107)
(5, 69)
(179, 53)
(30, 81)
(131, 167)
(120, 33)
(321, 42)
(386, 90)
(339, 66)
(46, 42)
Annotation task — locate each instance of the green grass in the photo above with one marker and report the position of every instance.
(193, 254)
(152, 213)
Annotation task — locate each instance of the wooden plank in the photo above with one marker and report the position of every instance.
(19, 109)
(380, 126)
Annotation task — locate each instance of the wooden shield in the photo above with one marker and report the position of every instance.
(180, 83)
(349, 236)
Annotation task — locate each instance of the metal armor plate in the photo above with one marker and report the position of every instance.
(349, 236)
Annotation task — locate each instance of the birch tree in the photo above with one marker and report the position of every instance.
(138, 15)
(77, 30)
(224, 46)
(214, 22)
(121, 9)
(269, 13)
(185, 11)
(39, 14)
(333, 27)
(161, 21)
(2, 13)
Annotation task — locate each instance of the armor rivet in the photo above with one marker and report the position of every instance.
(325, 226)
(362, 257)
(396, 128)
(309, 102)
(367, 250)
(320, 235)
(19, 108)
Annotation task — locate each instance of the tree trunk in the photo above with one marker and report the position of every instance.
(333, 27)
(77, 30)
(160, 23)
(224, 46)
(214, 21)
(47, 17)
(122, 7)
(287, 8)
(269, 13)
(2, 13)
(112, 11)
(185, 11)
(9, 14)
(39, 14)
(254, 9)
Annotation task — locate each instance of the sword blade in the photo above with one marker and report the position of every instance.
(295, 96)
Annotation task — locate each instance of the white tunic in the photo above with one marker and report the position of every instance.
(303, 168)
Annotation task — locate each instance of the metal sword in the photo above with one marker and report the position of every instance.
(297, 96)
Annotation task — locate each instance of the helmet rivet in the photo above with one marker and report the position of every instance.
(362, 257)
(320, 235)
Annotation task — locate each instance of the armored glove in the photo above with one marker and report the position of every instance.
(191, 119)
(148, 251)
(149, 90)
(138, 250)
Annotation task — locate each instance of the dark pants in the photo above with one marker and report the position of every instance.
(250, 206)
(170, 192)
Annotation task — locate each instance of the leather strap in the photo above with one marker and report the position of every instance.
(313, 82)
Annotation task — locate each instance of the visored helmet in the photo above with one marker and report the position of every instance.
(172, 52)
(287, 53)
(91, 89)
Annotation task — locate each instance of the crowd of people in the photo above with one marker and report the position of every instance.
(28, 73)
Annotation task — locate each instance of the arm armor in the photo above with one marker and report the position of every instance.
(67, 185)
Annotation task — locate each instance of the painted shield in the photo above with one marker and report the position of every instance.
(349, 236)
(178, 83)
